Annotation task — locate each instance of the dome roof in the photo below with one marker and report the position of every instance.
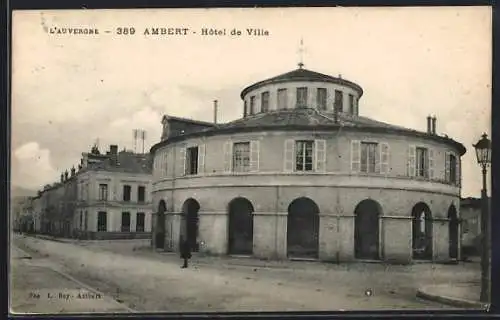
(302, 75)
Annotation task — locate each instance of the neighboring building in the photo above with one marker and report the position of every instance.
(303, 175)
(470, 213)
(114, 195)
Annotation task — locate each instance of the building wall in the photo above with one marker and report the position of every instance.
(311, 95)
(336, 190)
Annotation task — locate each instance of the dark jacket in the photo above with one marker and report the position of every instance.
(185, 250)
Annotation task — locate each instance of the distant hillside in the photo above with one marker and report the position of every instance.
(20, 192)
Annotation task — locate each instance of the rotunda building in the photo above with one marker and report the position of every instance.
(303, 175)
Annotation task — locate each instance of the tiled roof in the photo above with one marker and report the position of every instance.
(306, 117)
(126, 162)
(302, 75)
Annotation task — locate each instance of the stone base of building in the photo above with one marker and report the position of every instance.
(90, 235)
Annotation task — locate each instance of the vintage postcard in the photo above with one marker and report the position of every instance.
(230, 160)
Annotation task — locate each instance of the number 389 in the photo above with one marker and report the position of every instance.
(125, 31)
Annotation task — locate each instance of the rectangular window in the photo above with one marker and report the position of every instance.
(126, 193)
(245, 111)
(302, 97)
(252, 105)
(241, 157)
(351, 104)
(304, 155)
(125, 222)
(103, 192)
(139, 222)
(321, 98)
(453, 168)
(368, 157)
(282, 99)
(192, 160)
(86, 221)
(81, 220)
(264, 101)
(141, 194)
(421, 164)
(102, 221)
(338, 101)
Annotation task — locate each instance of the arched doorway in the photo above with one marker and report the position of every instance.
(366, 230)
(240, 226)
(160, 225)
(189, 228)
(303, 229)
(422, 231)
(453, 232)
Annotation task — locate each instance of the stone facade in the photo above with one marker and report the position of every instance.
(337, 184)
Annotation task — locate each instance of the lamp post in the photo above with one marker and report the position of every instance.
(483, 153)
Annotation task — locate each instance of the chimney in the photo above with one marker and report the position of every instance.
(113, 153)
(215, 111)
(434, 125)
(429, 126)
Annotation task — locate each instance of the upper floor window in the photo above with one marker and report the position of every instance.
(264, 101)
(304, 155)
(241, 157)
(338, 101)
(252, 105)
(321, 98)
(125, 222)
(368, 157)
(282, 98)
(421, 163)
(351, 104)
(103, 192)
(102, 221)
(245, 111)
(192, 160)
(126, 192)
(451, 169)
(302, 97)
(141, 194)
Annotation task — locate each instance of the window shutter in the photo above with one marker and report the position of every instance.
(320, 155)
(447, 176)
(201, 159)
(182, 153)
(412, 154)
(355, 155)
(457, 172)
(289, 153)
(384, 158)
(254, 155)
(431, 164)
(228, 155)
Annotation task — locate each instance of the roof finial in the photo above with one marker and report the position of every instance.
(301, 54)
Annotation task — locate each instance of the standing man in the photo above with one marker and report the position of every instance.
(185, 252)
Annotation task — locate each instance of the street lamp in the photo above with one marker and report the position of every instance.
(483, 153)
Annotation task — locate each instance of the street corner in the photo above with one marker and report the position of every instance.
(451, 295)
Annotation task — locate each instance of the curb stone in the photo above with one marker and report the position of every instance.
(456, 302)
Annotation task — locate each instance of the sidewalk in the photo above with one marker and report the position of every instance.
(463, 295)
(36, 288)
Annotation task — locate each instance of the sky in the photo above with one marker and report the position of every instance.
(70, 90)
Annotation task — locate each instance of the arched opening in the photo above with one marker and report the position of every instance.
(189, 228)
(160, 225)
(303, 229)
(422, 231)
(366, 230)
(453, 232)
(240, 226)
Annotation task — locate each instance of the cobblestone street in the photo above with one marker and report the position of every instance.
(149, 281)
